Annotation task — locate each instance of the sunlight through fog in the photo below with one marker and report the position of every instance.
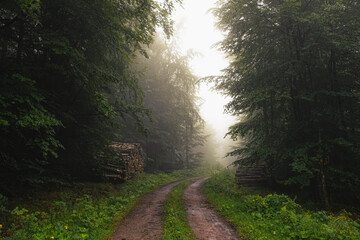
(195, 31)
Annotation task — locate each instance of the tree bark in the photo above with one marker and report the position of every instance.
(322, 163)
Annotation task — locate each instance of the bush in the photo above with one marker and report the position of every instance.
(273, 216)
(87, 217)
(3, 205)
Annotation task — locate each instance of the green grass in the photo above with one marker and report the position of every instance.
(258, 215)
(86, 216)
(176, 226)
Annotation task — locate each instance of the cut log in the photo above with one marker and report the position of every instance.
(251, 176)
(126, 163)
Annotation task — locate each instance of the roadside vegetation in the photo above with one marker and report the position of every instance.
(256, 214)
(77, 76)
(293, 81)
(176, 225)
(82, 216)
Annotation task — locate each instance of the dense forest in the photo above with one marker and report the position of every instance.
(294, 81)
(78, 75)
(90, 86)
(176, 127)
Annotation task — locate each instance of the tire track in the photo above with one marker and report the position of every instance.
(145, 220)
(204, 221)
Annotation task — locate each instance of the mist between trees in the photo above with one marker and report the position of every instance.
(78, 75)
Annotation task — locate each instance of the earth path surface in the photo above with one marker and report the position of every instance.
(205, 222)
(145, 220)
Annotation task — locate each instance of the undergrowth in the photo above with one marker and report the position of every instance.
(86, 216)
(176, 226)
(273, 216)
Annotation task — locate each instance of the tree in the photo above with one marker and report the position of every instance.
(58, 61)
(209, 151)
(293, 78)
(170, 94)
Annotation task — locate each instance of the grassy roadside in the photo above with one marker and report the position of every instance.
(176, 226)
(270, 216)
(85, 217)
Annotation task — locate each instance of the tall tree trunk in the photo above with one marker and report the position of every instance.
(323, 184)
(323, 162)
(186, 146)
(266, 121)
(335, 86)
(20, 40)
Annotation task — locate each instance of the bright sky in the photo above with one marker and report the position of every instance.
(195, 30)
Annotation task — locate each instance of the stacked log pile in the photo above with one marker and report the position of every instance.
(251, 176)
(127, 162)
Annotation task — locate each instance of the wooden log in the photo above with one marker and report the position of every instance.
(127, 161)
(251, 176)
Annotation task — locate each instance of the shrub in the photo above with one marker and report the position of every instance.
(86, 217)
(274, 216)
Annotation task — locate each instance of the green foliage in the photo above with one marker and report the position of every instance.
(103, 105)
(170, 95)
(66, 82)
(273, 216)
(175, 219)
(293, 79)
(27, 125)
(86, 216)
(3, 205)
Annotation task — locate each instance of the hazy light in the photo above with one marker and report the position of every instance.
(195, 30)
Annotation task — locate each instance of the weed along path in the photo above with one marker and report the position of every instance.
(145, 220)
(203, 220)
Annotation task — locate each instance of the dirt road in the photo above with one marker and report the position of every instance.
(145, 220)
(204, 221)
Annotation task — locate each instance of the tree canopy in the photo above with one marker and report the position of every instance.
(170, 94)
(60, 62)
(294, 80)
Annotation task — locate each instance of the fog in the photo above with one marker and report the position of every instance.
(195, 32)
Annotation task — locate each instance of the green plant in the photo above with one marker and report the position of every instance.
(86, 216)
(175, 219)
(3, 204)
(273, 216)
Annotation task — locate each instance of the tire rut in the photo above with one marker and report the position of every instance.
(204, 221)
(145, 220)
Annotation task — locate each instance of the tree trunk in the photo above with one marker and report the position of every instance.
(186, 146)
(20, 41)
(323, 184)
(322, 163)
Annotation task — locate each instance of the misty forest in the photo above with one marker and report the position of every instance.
(102, 133)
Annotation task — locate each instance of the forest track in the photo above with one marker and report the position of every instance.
(205, 222)
(145, 220)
